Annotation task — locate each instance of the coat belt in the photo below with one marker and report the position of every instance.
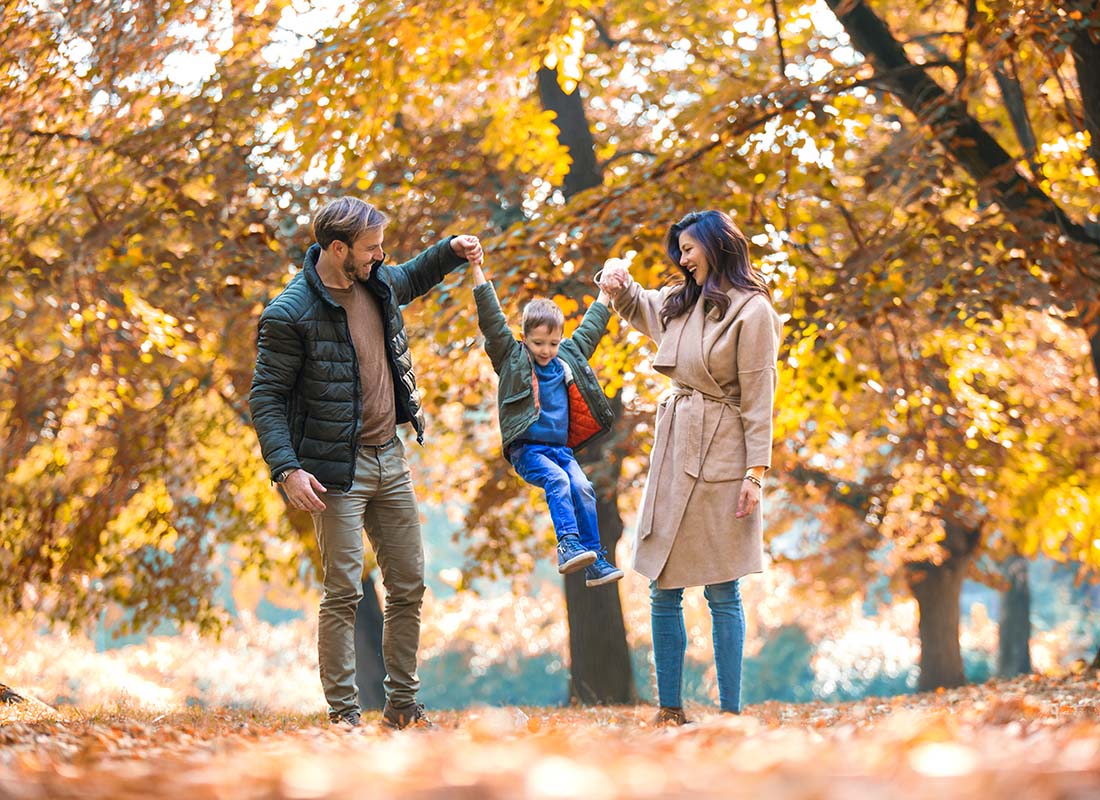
(696, 403)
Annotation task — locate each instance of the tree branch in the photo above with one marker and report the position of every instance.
(977, 152)
(1013, 95)
(779, 38)
(626, 154)
(962, 135)
(602, 33)
(853, 495)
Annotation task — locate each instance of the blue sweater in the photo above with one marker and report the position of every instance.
(552, 426)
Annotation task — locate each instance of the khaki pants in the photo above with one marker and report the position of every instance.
(382, 502)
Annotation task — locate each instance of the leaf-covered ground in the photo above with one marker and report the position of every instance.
(1033, 737)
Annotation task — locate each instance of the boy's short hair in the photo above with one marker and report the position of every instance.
(345, 219)
(542, 312)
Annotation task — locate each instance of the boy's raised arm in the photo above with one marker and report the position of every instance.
(594, 325)
(499, 340)
(479, 275)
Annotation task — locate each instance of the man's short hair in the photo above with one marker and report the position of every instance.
(345, 219)
(542, 312)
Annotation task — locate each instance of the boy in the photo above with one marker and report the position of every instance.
(551, 404)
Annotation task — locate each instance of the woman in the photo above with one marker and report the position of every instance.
(701, 524)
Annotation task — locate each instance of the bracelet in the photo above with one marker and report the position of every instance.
(753, 479)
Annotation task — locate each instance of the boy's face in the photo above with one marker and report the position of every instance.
(542, 342)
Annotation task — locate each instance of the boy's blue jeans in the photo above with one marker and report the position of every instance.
(569, 493)
(670, 642)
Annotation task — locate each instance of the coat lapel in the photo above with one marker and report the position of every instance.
(667, 356)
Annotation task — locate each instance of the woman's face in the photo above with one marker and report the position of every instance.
(692, 257)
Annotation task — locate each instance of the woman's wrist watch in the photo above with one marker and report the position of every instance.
(753, 479)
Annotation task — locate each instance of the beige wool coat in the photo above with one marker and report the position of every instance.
(712, 424)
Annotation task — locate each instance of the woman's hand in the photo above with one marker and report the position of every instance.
(614, 277)
(750, 498)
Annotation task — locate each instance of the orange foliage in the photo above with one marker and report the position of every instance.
(987, 741)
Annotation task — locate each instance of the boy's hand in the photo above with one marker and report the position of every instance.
(614, 277)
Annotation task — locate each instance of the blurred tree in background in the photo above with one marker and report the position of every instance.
(137, 246)
(919, 181)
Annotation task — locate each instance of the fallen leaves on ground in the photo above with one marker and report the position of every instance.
(1034, 737)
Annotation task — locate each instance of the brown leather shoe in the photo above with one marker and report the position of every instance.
(401, 717)
(667, 717)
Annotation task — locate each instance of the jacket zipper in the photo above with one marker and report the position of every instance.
(406, 399)
(357, 404)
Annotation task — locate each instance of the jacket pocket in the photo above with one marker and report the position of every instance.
(725, 457)
(516, 396)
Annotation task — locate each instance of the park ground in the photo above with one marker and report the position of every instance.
(1034, 737)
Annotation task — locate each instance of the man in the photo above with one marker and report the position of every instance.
(333, 380)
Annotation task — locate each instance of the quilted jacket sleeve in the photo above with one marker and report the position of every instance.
(588, 334)
(279, 358)
(417, 277)
(499, 340)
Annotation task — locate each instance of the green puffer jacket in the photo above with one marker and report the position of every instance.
(306, 400)
(590, 415)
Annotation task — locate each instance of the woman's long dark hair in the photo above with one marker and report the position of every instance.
(727, 253)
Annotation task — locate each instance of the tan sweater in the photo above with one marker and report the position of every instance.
(375, 380)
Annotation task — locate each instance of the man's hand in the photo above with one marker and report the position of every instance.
(301, 491)
(467, 247)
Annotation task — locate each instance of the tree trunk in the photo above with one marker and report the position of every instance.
(937, 588)
(1086, 60)
(1014, 635)
(573, 133)
(369, 669)
(599, 658)
(600, 670)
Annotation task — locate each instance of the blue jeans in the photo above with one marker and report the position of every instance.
(670, 642)
(569, 493)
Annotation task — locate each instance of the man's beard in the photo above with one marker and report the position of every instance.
(357, 271)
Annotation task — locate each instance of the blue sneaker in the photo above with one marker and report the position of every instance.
(571, 554)
(601, 572)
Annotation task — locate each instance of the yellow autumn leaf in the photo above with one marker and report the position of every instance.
(565, 55)
(200, 189)
(46, 248)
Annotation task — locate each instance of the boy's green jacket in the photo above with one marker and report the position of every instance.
(590, 414)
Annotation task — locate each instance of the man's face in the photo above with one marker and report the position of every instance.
(543, 342)
(366, 253)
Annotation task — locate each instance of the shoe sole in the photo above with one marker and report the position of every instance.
(577, 563)
(610, 578)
